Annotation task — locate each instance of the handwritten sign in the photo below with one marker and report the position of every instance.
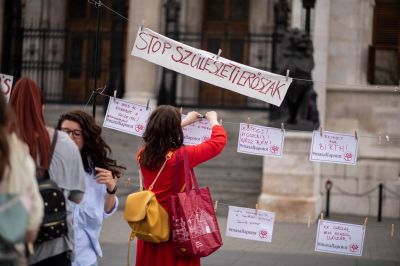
(126, 117)
(245, 223)
(6, 82)
(334, 147)
(197, 132)
(259, 140)
(340, 238)
(202, 65)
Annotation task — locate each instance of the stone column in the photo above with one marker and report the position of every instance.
(190, 20)
(291, 184)
(142, 77)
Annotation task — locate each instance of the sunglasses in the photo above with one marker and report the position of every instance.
(75, 132)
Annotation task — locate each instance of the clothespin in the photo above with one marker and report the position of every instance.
(248, 122)
(128, 182)
(256, 209)
(322, 217)
(147, 105)
(283, 127)
(365, 222)
(215, 205)
(355, 135)
(379, 137)
(219, 53)
(309, 221)
(287, 74)
(387, 138)
(320, 131)
(392, 231)
(115, 95)
(220, 121)
(141, 26)
(104, 88)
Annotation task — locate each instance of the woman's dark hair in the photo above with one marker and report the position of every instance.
(163, 133)
(94, 146)
(4, 147)
(28, 107)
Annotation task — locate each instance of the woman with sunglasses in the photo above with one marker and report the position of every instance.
(100, 200)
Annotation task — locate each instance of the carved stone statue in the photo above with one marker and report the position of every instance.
(299, 108)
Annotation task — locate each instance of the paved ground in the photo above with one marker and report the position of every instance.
(292, 244)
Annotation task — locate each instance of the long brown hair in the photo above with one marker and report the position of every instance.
(163, 133)
(94, 145)
(4, 147)
(27, 103)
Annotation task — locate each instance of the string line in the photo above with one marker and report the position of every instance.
(99, 4)
(292, 130)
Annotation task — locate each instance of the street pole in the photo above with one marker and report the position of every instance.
(97, 4)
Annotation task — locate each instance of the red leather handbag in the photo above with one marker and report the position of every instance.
(194, 225)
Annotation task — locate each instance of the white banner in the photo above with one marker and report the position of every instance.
(197, 132)
(247, 224)
(333, 148)
(340, 238)
(259, 140)
(205, 66)
(126, 117)
(6, 82)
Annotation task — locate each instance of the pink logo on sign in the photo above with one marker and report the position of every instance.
(139, 128)
(348, 156)
(263, 234)
(274, 149)
(354, 248)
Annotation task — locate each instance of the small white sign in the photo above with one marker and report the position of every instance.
(6, 82)
(334, 147)
(259, 140)
(340, 238)
(247, 224)
(126, 117)
(197, 132)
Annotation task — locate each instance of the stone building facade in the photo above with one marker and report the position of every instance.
(353, 93)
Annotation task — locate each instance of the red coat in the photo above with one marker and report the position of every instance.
(162, 254)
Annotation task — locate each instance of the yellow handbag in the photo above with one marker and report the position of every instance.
(148, 220)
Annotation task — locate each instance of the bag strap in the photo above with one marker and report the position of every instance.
(52, 148)
(189, 173)
(53, 145)
(167, 157)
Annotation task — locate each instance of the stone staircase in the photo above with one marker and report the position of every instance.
(234, 178)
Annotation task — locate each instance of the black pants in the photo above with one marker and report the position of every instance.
(58, 260)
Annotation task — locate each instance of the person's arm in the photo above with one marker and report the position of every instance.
(211, 147)
(190, 118)
(104, 176)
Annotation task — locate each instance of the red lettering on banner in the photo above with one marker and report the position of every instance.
(167, 45)
(141, 37)
(178, 49)
(151, 43)
(8, 86)
(188, 53)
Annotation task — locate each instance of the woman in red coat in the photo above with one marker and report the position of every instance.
(163, 134)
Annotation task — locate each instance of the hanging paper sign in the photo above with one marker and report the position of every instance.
(248, 224)
(334, 147)
(259, 140)
(197, 132)
(208, 67)
(340, 238)
(126, 117)
(6, 82)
